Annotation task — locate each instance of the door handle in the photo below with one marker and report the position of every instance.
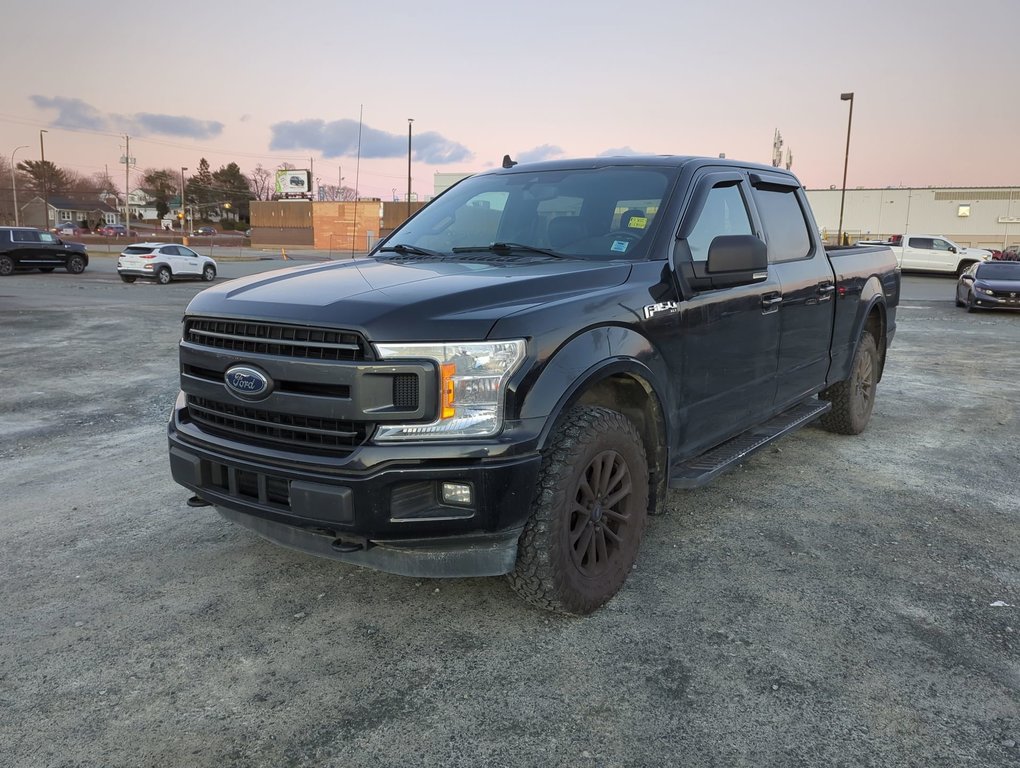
(771, 301)
(825, 289)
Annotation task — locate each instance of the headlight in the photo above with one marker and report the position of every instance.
(472, 383)
(989, 291)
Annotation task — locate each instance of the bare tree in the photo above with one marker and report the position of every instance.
(262, 183)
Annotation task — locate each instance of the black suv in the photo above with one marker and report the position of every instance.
(28, 248)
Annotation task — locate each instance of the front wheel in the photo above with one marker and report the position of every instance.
(163, 275)
(209, 273)
(588, 515)
(971, 306)
(76, 265)
(853, 400)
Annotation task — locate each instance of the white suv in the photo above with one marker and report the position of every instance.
(163, 262)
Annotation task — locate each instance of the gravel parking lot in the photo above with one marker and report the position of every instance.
(836, 601)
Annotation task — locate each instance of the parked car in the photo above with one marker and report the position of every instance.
(112, 230)
(511, 389)
(72, 229)
(1011, 253)
(204, 231)
(164, 262)
(989, 285)
(29, 248)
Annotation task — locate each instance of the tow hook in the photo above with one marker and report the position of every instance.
(195, 501)
(347, 546)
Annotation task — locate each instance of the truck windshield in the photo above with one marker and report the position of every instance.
(602, 214)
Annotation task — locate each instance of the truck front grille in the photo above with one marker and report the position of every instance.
(276, 339)
(274, 428)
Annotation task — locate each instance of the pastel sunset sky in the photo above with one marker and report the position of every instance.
(937, 85)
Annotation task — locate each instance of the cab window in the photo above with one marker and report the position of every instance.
(785, 227)
(725, 213)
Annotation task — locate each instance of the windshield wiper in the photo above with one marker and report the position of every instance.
(506, 248)
(404, 248)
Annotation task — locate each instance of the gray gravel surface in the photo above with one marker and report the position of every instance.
(833, 602)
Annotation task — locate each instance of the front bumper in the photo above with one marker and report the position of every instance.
(999, 301)
(391, 518)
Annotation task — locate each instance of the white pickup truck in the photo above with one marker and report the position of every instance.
(931, 253)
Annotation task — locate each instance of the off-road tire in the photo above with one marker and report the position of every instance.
(6, 266)
(163, 275)
(853, 400)
(575, 552)
(76, 265)
(208, 273)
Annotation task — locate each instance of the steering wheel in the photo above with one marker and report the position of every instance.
(617, 233)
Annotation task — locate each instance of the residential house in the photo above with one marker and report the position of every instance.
(92, 211)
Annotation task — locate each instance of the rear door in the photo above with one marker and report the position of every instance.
(24, 247)
(917, 253)
(808, 287)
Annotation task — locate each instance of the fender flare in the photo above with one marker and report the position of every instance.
(591, 356)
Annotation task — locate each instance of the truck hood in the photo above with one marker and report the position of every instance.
(405, 300)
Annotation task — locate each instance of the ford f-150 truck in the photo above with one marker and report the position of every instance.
(510, 381)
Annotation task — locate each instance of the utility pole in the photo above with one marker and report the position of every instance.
(46, 182)
(127, 183)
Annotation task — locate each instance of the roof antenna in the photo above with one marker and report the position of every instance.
(507, 162)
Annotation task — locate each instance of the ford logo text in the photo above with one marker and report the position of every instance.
(246, 382)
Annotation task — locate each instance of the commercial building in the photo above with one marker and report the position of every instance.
(983, 217)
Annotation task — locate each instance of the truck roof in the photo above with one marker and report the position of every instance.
(665, 161)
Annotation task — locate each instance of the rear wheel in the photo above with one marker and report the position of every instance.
(853, 400)
(6, 266)
(588, 516)
(46, 269)
(209, 273)
(128, 278)
(163, 275)
(76, 265)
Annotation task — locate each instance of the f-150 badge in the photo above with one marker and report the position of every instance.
(663, 308)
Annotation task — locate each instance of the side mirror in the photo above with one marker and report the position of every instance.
(952, 249)
(967, 278)
(737, 260)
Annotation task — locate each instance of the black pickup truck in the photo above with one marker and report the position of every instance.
(509, 383)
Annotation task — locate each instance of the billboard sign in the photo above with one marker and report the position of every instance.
(294, 183)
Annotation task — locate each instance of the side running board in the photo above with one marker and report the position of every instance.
(698, 471)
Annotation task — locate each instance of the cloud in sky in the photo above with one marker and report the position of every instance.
(618, 151)
(76, 114)
(339, 138)
(536, 154)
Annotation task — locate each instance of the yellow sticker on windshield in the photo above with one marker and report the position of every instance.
(637, 222)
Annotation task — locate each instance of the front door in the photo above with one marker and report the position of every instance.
(722, 346)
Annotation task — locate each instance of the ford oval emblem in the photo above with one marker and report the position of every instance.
(246, 382)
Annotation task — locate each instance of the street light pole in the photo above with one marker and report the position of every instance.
(14, 183)
(409, 121)
(846, 159)
(46, 182)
